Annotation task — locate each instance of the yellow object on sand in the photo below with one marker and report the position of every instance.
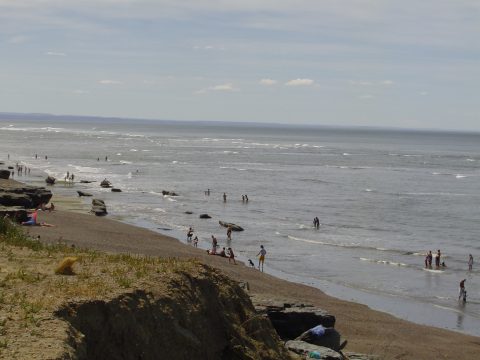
(65, 267)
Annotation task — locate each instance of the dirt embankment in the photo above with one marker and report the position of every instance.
(125, 307)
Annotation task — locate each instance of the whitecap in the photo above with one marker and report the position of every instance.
(133, 150)
(459, 176)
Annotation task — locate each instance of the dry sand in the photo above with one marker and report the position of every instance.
(368, 331)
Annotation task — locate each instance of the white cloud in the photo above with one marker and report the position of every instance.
(80, 92)
(53, 53)
(228, 87)
(423, 93)
(109, 82)
(300, 82)
(267, 82)
(223, 87)
(387, 82)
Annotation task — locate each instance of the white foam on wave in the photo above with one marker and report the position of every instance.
(368, 190)
(159, 210)
(155, 193)
(383, 262)
(460, 176)
(86, 169)
(125, 162)
(133, 150)
(470, 160)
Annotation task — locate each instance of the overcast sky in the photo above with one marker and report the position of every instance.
(402, 63)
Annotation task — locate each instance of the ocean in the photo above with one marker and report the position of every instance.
(383, 198)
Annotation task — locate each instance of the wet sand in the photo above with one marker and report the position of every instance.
(367, 330)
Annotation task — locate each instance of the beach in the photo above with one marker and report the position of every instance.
(367, 330)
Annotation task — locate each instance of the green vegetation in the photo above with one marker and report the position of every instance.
(12, 234)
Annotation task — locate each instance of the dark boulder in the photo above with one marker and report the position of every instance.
(169, 193)
(98, 207)
(292, 320)
(205, 216)
(116, 190)
(4, 174)
(189, 212)
(50, 180)
(83, 193)
(231, 225)
(106, 184)
(10, 167)
(331, 339)
(86, 181)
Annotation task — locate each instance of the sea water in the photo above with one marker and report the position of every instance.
(383, 197)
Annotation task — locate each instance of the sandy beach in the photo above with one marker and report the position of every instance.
(368, 331)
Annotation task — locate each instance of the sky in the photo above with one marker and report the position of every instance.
(409, 64)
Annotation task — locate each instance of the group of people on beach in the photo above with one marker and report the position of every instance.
(228, 253)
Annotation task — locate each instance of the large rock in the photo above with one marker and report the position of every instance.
(233, 226)
(98, 207)
(4, 174)
(15, 194)
(292, 320)
(331, 339)
(83, 193)
(50, 180)
(169, 193)
(205, 216)
(302, 347)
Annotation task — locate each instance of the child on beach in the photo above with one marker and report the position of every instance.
(189, 234)
(195, 241)
(261, 259)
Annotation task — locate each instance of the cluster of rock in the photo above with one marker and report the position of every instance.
(98, 207)
(292, 321)
(24, 196)
(16, 198)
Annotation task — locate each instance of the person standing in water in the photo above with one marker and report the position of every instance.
(462, 293)
(437, 259)
(261, 258)
(229, 233)
(224, 197)
(470, 262)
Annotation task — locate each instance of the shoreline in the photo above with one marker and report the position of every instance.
(367, 330)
